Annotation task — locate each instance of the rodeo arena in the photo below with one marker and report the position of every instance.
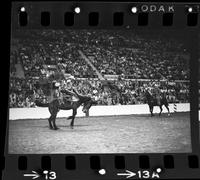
(98, 91)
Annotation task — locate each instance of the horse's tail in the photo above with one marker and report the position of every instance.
(40, 104)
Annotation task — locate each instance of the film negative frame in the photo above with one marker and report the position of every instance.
(88, 166)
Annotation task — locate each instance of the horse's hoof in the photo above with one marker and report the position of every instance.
(56, 128)
(50, 127)
(72, 127)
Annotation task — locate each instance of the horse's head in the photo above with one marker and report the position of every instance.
(87, 103)
(147, 94)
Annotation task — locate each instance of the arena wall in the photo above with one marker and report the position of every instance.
(41, 113)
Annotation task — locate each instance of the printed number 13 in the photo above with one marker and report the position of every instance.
(50, 175)
(143, 174)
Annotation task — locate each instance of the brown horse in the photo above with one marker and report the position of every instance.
(152, 101)
(55, 106)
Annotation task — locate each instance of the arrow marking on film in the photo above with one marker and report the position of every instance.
(35, 175)
(128, 174)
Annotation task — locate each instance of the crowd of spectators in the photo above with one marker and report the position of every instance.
(20, 92)
(112, 52)
(129, 53)
(23, 92)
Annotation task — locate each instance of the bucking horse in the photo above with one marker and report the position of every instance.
(54, 107)
(152, 101)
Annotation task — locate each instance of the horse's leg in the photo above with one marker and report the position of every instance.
(50, 119)
(160, 110)
(70, 117)
(54, 111)
(73, 117)
(151, 110)
(167, 107)
(54, 121)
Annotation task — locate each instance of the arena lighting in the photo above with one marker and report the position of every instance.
(77, 10)
(134, 9)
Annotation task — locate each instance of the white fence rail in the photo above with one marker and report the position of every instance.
(40, 112)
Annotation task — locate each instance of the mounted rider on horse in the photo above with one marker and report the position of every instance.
(155, 97)
(156, 92)
(63, 91)
(63, 97)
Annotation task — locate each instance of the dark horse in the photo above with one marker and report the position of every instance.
(55, 106)
(152, 101)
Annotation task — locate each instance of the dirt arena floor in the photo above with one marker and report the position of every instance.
(113, 134)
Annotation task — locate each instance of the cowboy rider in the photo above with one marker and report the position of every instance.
(157, 93)
(69, 91)
(66, 88)
(56, 93)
